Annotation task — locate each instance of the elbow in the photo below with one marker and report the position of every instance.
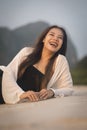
(64, 92)
(10, 99)
(7, 101)
(71, 89)
(69, 92)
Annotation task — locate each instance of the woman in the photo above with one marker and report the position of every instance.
(39, 73)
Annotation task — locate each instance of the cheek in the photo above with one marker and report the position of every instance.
(61, 42)
(60, 45)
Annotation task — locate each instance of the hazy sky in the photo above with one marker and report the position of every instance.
(72, 14)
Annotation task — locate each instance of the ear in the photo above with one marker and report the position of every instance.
(43, 40)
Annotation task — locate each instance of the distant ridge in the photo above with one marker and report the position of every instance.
(29, 33)
(11, 41)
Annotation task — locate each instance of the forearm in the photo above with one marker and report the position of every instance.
(10, 89)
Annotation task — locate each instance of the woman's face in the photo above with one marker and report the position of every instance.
(53, 40)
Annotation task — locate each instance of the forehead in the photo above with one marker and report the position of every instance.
(56, 31)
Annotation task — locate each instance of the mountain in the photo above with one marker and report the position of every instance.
(11, 41)
(30, 32)
(8, 43)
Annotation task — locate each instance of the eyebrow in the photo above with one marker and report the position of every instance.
(54, 33)
(51, 32)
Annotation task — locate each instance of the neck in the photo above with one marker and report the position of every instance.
(46, 54)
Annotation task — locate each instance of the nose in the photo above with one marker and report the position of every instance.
(55, 38)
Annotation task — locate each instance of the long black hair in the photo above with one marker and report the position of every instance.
(35, 56)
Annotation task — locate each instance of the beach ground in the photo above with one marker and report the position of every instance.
(61, 113)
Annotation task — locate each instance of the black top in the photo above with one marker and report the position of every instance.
(1, 98)
(31, 79)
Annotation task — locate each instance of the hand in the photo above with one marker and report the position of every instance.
(45, 94)
(31, 95)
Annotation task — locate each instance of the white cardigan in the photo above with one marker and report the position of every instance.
(60, 82)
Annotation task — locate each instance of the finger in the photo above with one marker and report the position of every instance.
(42, 92)
(37, 94)
(43, 95)
(35, 97)
(32, 96)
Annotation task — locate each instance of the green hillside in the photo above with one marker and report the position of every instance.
(79, 73)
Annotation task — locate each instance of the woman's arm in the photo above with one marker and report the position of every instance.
(62, 80)
(10, 90)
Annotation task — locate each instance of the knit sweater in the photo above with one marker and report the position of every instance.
(60, 82)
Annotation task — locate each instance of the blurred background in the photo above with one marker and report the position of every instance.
(22, 21)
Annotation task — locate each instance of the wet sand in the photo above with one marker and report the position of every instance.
(61, 113)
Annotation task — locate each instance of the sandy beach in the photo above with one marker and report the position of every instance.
(61, 113)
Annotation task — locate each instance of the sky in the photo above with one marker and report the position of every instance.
(71, 14)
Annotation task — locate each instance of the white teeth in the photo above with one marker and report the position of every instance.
(53, 44)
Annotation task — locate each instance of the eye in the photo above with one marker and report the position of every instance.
(60, 37)
(51, 34)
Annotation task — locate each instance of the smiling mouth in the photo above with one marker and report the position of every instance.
(53, 44)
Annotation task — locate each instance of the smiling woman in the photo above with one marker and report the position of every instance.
(41, 72)
(54, 40)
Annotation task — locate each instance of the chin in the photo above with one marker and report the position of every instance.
(53, 49)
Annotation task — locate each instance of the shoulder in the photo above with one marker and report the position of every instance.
(61, 59)
(26, 51)
(2, 67)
